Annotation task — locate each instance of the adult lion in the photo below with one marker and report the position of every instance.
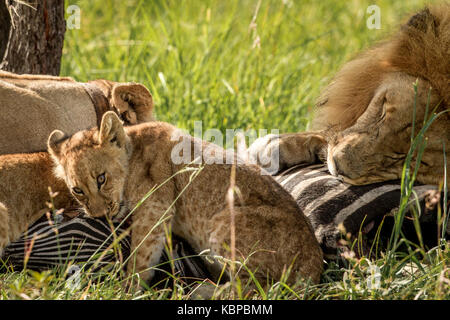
(32, 106)
(364, 125)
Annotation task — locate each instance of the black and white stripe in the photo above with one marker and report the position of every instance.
(329, 202)
(54, 244)
(81, 241)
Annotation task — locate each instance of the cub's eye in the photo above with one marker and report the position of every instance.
(77, 190)
(101, 180)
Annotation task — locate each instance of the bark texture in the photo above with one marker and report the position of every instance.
(35, 36)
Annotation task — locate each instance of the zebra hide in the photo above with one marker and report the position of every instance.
(331, 206)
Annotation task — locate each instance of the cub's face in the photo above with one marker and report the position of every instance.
(96, 178)
(94, 165)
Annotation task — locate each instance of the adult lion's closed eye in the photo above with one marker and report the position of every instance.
(375, 147)
(366, 112)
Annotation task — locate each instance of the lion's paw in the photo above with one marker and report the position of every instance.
(265, 152)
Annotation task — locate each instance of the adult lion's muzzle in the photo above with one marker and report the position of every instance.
(349, 161)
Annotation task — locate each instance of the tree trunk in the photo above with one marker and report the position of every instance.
(5, 24)
(35, 33)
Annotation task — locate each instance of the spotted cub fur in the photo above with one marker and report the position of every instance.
(114, 168)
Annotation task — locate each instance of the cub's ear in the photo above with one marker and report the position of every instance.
(53, 143)
(111, 130)
(133, 101)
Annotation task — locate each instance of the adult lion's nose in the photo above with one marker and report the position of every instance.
(331, 163)
(333, 166)
(337, 168)
(338, 159)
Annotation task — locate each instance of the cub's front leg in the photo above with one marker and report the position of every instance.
(4, 228)
(147, 238)
(277, 152)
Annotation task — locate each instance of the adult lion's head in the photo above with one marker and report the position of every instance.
(368, 109)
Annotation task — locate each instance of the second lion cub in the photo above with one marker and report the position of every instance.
(115, 167)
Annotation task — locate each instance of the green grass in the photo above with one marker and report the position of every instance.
(232, 66)
(199, 60)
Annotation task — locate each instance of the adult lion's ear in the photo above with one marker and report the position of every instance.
(133, 101)
(423, 20)
(53, 143)
(111, 130)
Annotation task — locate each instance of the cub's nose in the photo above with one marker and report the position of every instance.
(99, 213)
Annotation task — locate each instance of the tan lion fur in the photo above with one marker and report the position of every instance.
(138, 158)
(25, 179)
(419, 50)
(373, 149)
(32, 106)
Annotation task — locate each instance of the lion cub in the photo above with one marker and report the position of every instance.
(24, 182)
(115, 167)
